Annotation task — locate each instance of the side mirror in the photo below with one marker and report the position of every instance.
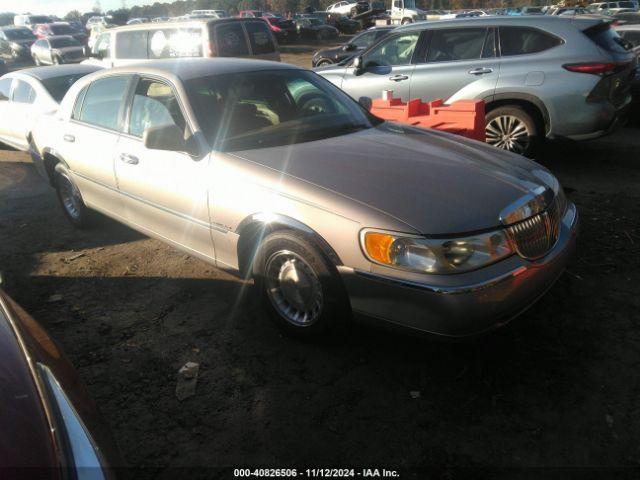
(165, 137)
(349, 47)
(358, 65)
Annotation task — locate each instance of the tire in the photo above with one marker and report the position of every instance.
(512, 128)
(71, 201)
(354, 12)
(36, 60)
(324, 62)
(300, 289)
(405, 21)
(56, 60)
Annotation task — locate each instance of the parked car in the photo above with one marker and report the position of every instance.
(15, 44)
(28, 93)
(50, 423)
(272, 171)
(95, 20)
(228, 37)
(137, 21)
(57, 50)
(314, 28)
(214, 13)
(56, 29)
(284, 30)
(161, 19)
(30, 21)
(343, 23)
(627, 18)
(364, 40)
(349, 7)
(612, 7)
(460, 59)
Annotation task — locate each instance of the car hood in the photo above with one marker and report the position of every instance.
(24, 43)
(434, 182)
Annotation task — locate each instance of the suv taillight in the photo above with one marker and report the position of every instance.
(595, 68)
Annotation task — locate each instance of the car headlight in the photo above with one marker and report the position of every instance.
(436, 256)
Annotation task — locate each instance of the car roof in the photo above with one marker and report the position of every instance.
(44, 73)
(523, 20)
(190, 68)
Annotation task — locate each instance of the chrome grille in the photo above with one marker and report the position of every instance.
(534, 237)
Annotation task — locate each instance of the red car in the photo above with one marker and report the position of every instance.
(44, 30)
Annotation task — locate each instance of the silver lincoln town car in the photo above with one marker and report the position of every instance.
(272, 171)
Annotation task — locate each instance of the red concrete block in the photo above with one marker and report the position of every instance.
(464, 117)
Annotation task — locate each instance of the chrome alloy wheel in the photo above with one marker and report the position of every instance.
(293, 288)
(70, 197)
(509, 133)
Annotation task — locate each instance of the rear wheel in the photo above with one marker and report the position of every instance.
(70, 199)
(406, 21)
(299, 288)
(511, 128)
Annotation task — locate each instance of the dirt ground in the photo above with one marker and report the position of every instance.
(559, 387)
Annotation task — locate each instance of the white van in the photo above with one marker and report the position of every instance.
(229, 37)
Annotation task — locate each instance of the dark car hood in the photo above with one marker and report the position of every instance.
(434, 182)
(24, 42)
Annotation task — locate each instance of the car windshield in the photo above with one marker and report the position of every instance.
(61, 29)
(272, 108)
(58, 86)
(410, 4)
(19, 34)
(63, 42)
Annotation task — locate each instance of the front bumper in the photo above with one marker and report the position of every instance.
(463, 304)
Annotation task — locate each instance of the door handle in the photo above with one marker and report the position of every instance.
(69, 138)
(130, 159)
(398, 78)
(480, 71)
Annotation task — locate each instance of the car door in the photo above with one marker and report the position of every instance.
(89, 142)
(165, 192)
(388, 65)
(458, 63)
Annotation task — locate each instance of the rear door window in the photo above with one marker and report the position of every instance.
(175, 43)
(102, 102)
(259, 38)
(230, 40)
(131, 44)
(449, 45)
(525, 41)
(23, 93)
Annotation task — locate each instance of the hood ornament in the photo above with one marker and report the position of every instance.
(534, 202)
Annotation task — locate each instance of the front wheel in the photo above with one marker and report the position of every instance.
(300, 289)
(511, 128)
(70, 199)
(324, 62)
(56, 60)
(405, 21)
(36, 60)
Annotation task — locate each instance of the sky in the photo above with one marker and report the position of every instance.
(61, 7)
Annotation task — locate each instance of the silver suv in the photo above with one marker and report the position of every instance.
(539, 76)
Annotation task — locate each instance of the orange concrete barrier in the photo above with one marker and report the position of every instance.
(464, 117)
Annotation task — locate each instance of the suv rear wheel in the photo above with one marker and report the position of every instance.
(511, 128)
